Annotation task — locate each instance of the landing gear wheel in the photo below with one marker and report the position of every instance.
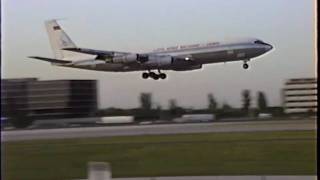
(152, 74)
(156, 77)
(245, 66)
(145, 75)
(162, 76)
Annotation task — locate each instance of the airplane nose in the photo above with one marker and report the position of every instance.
(269, 47)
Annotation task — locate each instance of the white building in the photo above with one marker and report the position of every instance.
(300, 95)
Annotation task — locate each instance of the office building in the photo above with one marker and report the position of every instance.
(49, 99)
(300, 95)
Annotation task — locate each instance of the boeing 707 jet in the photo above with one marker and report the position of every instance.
(176, 58)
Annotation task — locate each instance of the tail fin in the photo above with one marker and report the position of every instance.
(59, 40)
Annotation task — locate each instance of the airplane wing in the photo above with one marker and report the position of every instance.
(50, 60)
(101, 54)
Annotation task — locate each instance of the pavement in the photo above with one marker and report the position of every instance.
(218, 178)
(224, 178)
(135, 130)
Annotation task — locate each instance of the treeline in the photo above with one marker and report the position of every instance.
(148, 110)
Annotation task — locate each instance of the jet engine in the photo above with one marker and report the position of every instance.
(159, 61)
(150, 61)
(125, 59)
(130, 58)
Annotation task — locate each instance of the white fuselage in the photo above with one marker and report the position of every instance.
(187, 57)
(176, 58)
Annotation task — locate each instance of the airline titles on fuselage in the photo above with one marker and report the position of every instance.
(185, 47)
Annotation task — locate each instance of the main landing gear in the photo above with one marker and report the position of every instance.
(153, 75)
(245, 64)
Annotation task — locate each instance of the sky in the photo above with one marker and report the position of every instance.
(144, 25)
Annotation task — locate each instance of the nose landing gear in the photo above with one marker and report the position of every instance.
(245, 64)
(153, 75)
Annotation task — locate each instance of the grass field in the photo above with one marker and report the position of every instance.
(254, 153)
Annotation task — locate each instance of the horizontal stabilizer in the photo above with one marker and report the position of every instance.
(50, 60)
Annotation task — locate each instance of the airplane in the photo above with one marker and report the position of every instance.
(176, 58)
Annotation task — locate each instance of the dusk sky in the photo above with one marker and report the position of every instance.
(144, 25)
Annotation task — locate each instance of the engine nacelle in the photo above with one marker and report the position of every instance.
(151, 61)
(131, 58)
(159, 61)
(125, 59)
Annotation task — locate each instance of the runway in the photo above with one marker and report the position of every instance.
(134, 130)
(224, 178)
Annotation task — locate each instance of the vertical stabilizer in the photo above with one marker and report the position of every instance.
(59, 40)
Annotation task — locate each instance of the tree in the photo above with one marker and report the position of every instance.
(159, 107)
(262, 101)
(212, 106)
(226, 107)
(172, 104)
(224, 111)
(174, 109)
(146, 101)
(246, 100)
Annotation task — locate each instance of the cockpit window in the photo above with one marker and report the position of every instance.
(260, 42)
